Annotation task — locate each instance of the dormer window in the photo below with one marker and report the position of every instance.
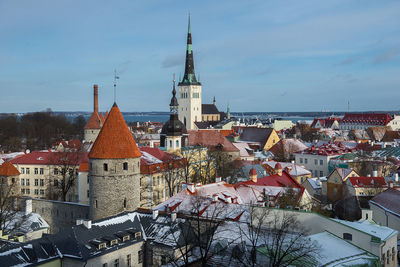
(138, 234)
(114, 242)
(102, 245)
(125, 238)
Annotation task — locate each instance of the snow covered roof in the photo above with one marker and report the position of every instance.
(370, 228)
(315, 183)
(294, 169)
(334, 251)
(388, 200)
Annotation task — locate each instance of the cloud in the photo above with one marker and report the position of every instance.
(172, 61)
(387, 55)
(350, 60)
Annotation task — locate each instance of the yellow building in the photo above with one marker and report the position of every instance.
(335, 181)
(259, 138)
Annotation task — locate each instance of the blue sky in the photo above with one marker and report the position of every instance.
(258, 55)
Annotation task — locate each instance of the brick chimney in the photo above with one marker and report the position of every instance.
(96, 98)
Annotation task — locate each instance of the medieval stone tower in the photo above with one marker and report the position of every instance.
(114, 169)
(189, 90)
(96, 120)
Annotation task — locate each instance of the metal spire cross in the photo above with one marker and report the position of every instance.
(115, 85)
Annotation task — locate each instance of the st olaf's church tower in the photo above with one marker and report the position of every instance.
(189, 90)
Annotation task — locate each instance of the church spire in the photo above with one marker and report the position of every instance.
(189, 76)
(173, 106)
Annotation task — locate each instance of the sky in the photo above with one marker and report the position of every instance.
(258, 55)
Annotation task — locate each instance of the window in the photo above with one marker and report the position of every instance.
(321, 173)
(305, 161)
(105, 167)
(154, 181)
(163, 260)
(116, 263)
(347, 236)
(177, 143)
(22, 181)
(28, 171)
(87, 179)
(315, 162)
(316, 173)
(321, 162)
(36, 182)
(41, 171)
(114, 242)
(102, 245)
(22, 191)
(55, 182)
(41, 182)
(138, 234)
(393, 254)
(387, 257)
(87, 193)
(128, 260)
(55, 171)
(105, 264)
(170, 143)
(22, 170)
(301, 160)
(28, 191)
(36, 191)
(140, 256)
(28, 182)
(41, 191)
(36, 171)
(158, 180)
(125, 203)
(96, 204)
(125, 166)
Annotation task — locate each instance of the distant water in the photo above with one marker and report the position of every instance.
(141, 118)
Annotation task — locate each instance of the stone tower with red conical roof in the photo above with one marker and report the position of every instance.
(96, 120)
(114, 169)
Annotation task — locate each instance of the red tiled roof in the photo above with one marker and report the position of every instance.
(51, 158)
(330, 149)
(388, 200)
(223, 131)
(7, 169)
(114, 141)
(94, 121)
(83, 167)
(285, 180)
(154, 160)
(211, 139)
(367, 118)
(367, 181)
(253, 172)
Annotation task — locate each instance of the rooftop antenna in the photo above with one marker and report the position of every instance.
(348, 105)
(115, 85)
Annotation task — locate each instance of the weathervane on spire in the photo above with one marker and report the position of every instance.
(115, 85)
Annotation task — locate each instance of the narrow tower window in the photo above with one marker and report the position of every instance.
(124, 203)
(96, 204)
(125, 166)
(105, 166)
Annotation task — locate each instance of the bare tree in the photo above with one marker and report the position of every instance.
(275, 238)
(9, 192)
(64, 173)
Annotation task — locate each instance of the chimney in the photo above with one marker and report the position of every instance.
(86, 223)
(28, 206)
(96, 98)
(173, 216)
(155, 214)
(374, 173)
(396, 177)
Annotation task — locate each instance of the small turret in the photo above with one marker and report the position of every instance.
(253, 175)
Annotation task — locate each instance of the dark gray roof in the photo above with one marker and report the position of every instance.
(209, 109)
(260, 135)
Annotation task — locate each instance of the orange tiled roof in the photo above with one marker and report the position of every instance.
(83, 167)
(94, 121)
(114, 141)
(8, 169)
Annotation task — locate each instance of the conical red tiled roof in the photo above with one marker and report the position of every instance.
(94, 121)
(8, 169)
(114, 141)
(253, 172)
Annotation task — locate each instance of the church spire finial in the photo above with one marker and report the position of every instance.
(173, 106)
(189, 76)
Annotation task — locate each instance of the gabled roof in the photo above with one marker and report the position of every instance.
(114, 141)
(284, 180)
(288, 146)
(94, 122)
(52, 158)
(205, 124)
(342, 172)
(7, 169)
(209, 109)
(259, 135)
(211, 139)
(367, 181)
